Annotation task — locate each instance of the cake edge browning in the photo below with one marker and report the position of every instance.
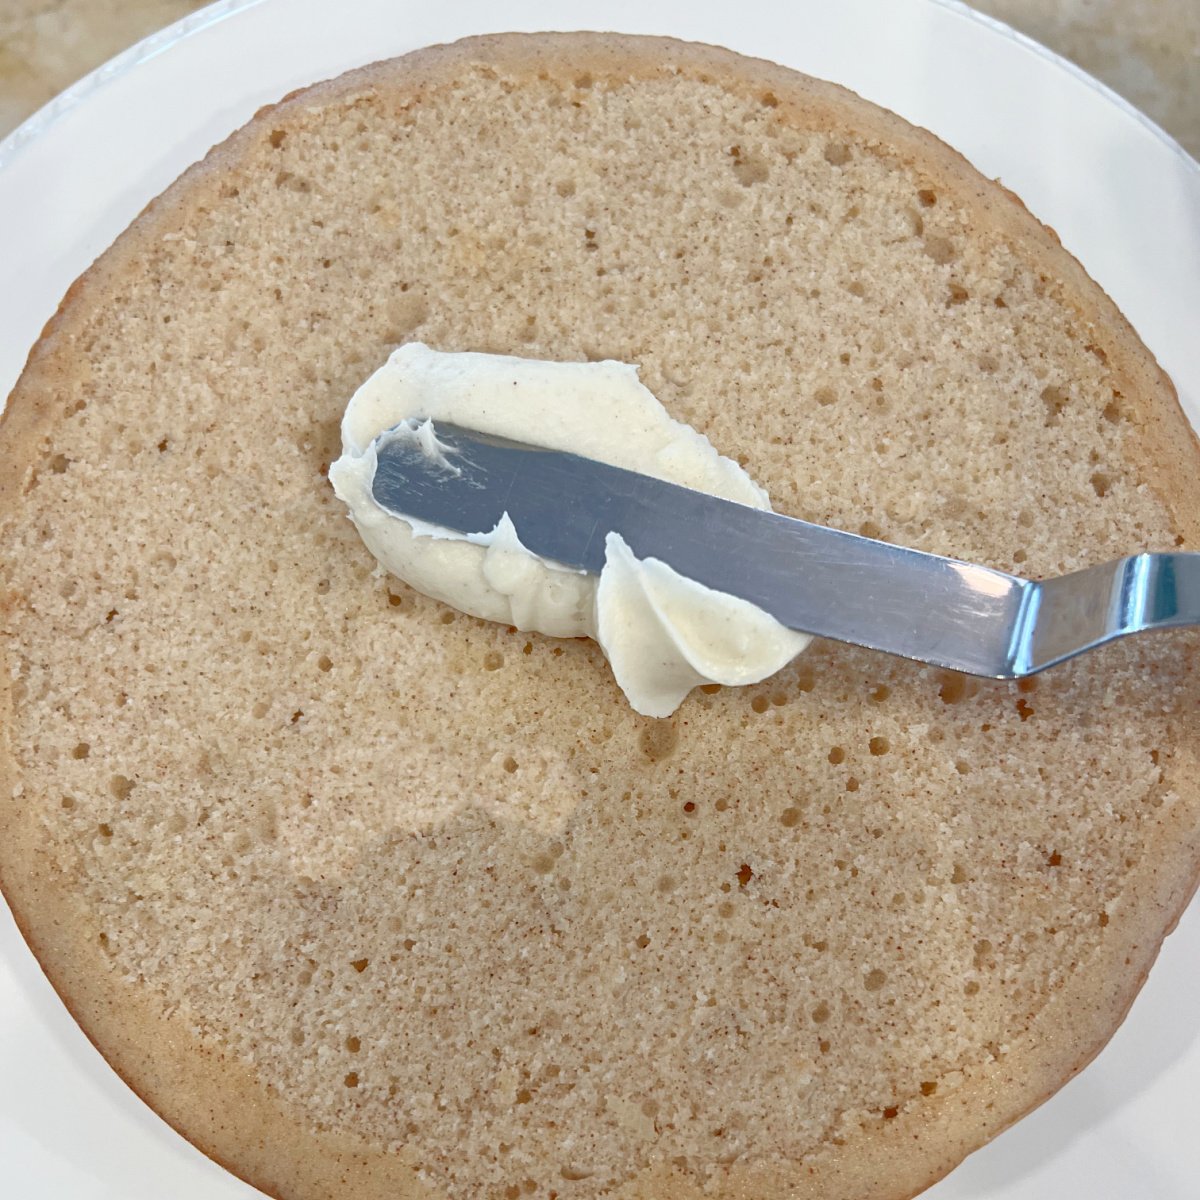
(216, 1102)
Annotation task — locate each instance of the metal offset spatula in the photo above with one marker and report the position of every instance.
(813, 579)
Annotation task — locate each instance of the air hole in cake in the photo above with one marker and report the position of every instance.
(406, 310)
(287, 181)
(954, 687)
(1055, 400)
(543, 863)
(658, 739)
(940, 249)
(750, 169)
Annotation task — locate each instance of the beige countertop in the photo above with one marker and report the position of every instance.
(1148, 50)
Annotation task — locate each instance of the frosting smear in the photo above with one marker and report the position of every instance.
(663, 633)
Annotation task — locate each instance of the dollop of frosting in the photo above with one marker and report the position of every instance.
(663, 633)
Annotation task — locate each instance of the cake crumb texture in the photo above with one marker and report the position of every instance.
(429, 881)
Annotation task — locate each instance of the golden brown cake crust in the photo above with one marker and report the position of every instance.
(184, 1061)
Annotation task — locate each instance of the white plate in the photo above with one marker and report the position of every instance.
(1124, 198)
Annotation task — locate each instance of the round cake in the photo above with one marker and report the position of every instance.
(367, 897)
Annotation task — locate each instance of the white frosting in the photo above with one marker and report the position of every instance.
(662, 632)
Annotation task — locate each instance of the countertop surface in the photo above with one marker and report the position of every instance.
(1147, 50)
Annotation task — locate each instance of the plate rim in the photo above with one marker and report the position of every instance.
(123, 64)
